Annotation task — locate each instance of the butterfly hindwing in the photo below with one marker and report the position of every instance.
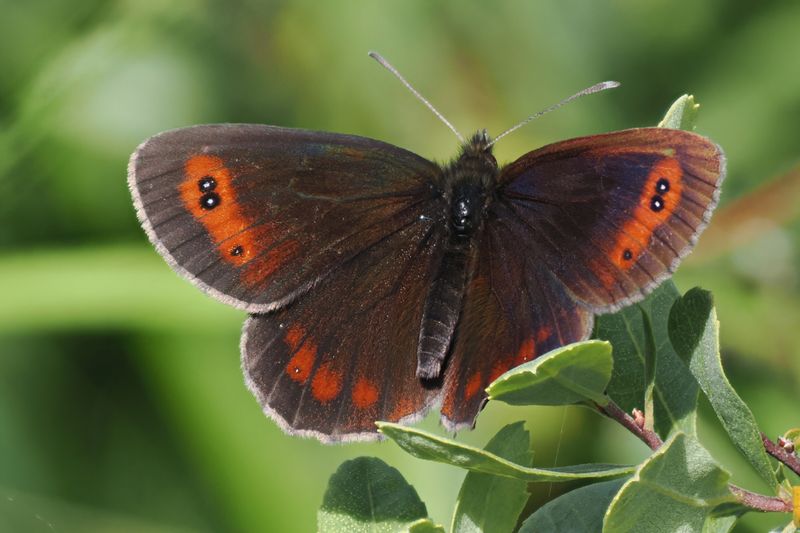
(611, 215)
(514, 310)
(255, 215)
(341, 357)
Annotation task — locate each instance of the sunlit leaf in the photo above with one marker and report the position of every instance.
(424, 445)
(694, 330)
(488, 503)
(674, 390)
(425, 525)
(675, 489)
(578, 511)
(719, 524)
(682, 114)
(365, 494)
(571, 374)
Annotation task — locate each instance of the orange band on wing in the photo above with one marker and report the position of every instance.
(543, 333)
(473, 385)
(327, 383)
(365, 393)
(658, 200)
(403, 408)
(305, 352)
(500, 367)
(268, 262)
(216, 207)
(209, 194)
(526, 352)
(528, 349)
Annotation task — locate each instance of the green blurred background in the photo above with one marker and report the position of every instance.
(122, 405)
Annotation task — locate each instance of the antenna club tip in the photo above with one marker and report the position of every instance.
(602, 86)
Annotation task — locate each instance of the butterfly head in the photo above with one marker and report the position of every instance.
(468, 179)
(476, 163)
(478, 143)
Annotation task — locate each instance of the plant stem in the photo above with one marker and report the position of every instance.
(789, 459)
(613, 411)
(757, 502)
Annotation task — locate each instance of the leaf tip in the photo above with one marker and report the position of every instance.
(682, 114)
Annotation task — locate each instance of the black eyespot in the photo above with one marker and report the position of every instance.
(209, 200)
(656, 203)
(237, 250)
(662, 186)
(627, 255)
(207, 183)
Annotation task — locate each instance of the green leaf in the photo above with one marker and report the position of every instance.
(649, 352)
(681, 115)
(788, 528)
(719, 524)
(578, 511)
(488, 503)
(675, 489)
(724, 517)
(425, 525)
(431, 447)
(366, 494)
(694, 330)
(570, 374)
(674, 390)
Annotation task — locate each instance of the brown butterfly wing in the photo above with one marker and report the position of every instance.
(578, 227)
(255, 215)
(514, 310)
(612, 215)
(341, 357)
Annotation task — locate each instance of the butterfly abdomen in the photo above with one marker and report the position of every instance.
(467, 181)
(442, 308)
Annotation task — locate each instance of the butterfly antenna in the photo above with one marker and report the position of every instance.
(589, 90)
(388, 66)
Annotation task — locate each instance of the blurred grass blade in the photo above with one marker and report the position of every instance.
(112, 287)
(365, 494)
(570, 374)
(694, 330)
(675, 489)
(424, 445)
(488, 503)
(581, 509)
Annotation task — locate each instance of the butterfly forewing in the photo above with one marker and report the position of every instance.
(611, 215)
(256, 214)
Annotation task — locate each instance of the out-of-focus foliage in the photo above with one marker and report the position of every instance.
(122, 405)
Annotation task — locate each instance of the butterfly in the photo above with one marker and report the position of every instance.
(380, 284)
